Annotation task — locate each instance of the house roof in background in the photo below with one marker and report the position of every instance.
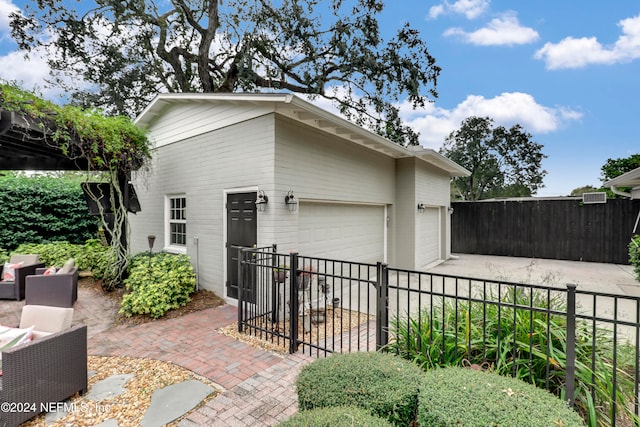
(303, 111)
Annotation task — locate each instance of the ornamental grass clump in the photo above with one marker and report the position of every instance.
(157, 284)
(383, 384)
(634, 255)
(523, 343)
(337, 416)
(471, 398)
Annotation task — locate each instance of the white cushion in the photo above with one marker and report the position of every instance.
(26, 259)
(46, 318)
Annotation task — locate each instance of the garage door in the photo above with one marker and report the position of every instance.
(428, 237)
(345, 232)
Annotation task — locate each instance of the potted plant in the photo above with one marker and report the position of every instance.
(305, 276)
(280, 273)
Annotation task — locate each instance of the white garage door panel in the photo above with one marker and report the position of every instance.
(428, 245)
(349, 232)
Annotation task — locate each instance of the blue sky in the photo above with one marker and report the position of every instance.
(567, 71)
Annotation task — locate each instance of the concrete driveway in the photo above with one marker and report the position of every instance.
(589, 276)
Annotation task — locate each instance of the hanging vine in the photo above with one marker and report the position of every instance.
(112, 145)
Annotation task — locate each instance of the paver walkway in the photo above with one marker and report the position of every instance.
(258, 385)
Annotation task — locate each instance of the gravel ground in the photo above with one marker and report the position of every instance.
(129, 407)
(337, 322)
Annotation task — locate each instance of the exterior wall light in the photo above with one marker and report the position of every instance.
(291, 201)
(261, 201)
(422, 207)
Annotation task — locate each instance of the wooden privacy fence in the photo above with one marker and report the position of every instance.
(563, 229)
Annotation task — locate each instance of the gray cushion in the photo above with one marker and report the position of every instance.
(67, 267)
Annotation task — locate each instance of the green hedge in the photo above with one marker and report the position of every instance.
(470, 398)
(43, 209)
(157, 284)
(384, 384)
(338, 416)
(92, 255)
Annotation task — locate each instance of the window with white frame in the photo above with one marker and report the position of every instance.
(176, 223)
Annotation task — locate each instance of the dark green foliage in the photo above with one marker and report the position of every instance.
(503, 162)
(157, 284)
(384, 384)
(43, 209)
(613, 168)
(338, 416)
(520, 345)
(300, 46)
(634, 255)
(92, 255)
(470, 398)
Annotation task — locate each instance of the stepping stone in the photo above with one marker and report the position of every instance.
(173, 401)
(108, 387)
(111, 422)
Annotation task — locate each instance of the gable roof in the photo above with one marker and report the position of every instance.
(303, 111)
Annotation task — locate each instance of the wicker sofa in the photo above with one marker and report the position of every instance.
(51, 368)
(57, 290)
(16, 288)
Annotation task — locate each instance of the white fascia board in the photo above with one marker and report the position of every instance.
(433, 157)
(628, 179)
(306, 112)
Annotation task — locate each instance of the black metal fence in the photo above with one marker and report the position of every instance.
(581, 345)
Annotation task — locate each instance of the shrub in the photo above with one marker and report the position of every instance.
(634, 255)
(466, 397)
(92, 256)
(43, 209)
(157, 284)
(338, 416)
(517, 344)
(384, 384)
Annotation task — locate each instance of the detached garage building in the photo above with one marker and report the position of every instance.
(352, 194)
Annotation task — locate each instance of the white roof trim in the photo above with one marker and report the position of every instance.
(303, 111)
(628, 179)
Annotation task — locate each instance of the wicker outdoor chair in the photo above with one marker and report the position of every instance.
(57, 290)
(49, 369)
(15, 289)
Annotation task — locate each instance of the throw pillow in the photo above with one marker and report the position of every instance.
(9, 271)
(49, 271)
(11, 337)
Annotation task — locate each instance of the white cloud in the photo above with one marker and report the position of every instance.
(505, 30)
(507, 109)
(29, 73)
(6, 7)
(580, 52)
(469, 8)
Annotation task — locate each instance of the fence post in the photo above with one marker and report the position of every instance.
(571, 344)
(274, 285)
(293, 303)
(382, 305)
(240, 286)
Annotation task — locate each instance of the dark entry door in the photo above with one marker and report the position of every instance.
(242, 231)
